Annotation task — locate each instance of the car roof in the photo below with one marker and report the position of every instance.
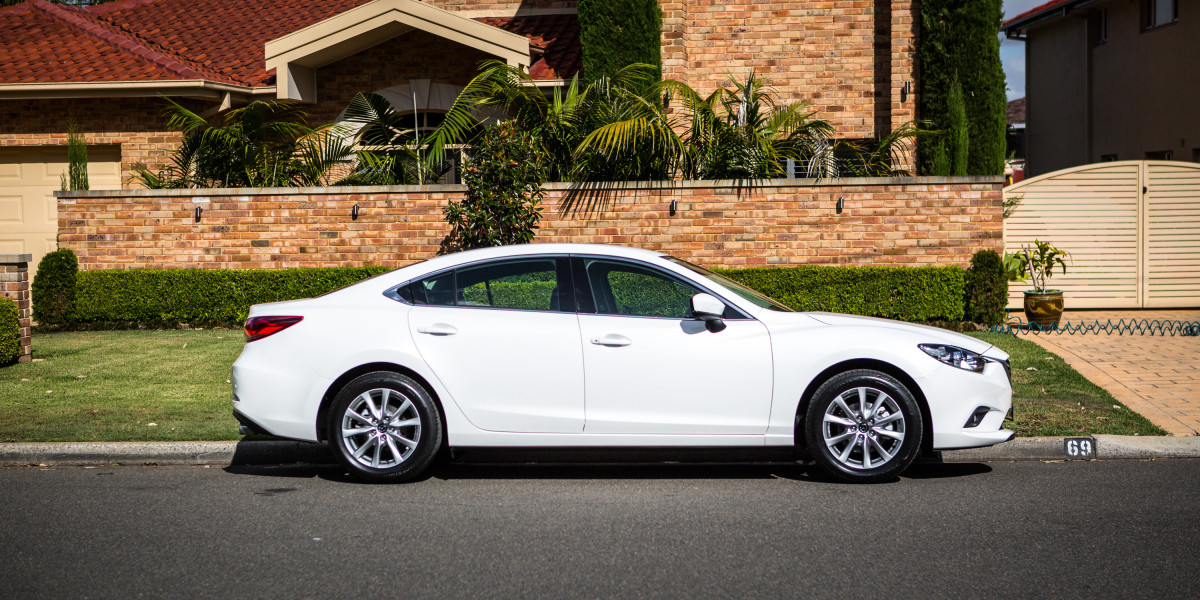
(449, 260)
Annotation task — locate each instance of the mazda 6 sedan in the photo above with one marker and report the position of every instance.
(562, 348)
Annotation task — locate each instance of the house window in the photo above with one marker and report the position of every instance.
(1160, 155)
(1108, 158)
(1156, 13)
(1099, 26)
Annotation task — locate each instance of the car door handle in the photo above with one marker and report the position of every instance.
(438, 329)
(612, 340)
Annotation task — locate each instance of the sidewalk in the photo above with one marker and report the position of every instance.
(1157, 376)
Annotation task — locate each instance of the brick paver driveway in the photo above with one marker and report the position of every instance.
(1157, 376)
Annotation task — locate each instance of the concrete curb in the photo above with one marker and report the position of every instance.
(163, 453)
(1106, 447)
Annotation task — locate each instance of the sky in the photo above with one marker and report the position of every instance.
(1012, 52)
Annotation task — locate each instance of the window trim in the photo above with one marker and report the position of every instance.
(580, 288)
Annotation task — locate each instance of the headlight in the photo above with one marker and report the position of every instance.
(956, 357)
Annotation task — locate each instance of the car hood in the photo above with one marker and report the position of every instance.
(933, 334)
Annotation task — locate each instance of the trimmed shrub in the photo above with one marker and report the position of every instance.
(902, 293)
(167, 298)
(503, 175)
(54, 287)
(987, 288)
(197, 296)
(10, 332)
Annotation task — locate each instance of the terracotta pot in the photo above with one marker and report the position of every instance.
(1044, 308)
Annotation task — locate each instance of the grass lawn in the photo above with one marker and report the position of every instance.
(94, 386)
(1051, 398)
(173, 386)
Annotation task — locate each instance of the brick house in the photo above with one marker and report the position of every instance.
(106, 66)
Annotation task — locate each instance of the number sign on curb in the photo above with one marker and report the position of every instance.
(1084, 447)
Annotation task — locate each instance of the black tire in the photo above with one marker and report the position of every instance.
(838, 444)
(399, 448)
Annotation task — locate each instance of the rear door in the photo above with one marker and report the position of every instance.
(503, 338)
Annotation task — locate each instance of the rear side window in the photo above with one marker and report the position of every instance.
(431, 291)
(523, 284)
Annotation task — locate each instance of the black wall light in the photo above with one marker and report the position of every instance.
(840, 204)
(905, 90)
(674, 205)
(354, 213)
(199, 211)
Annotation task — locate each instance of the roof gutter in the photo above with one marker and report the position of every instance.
(189, 88)
(1015, 29)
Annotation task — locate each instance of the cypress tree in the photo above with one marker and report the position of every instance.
(617, 33)
(960, 135)
(961, 38)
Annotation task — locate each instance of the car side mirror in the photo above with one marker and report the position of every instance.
(710, 310)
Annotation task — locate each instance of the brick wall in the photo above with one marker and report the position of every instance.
(14, 285)
(888, 221)
(848, 58)
(426, 56)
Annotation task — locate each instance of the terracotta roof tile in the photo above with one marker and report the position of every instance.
(556, 36)
(216, 40)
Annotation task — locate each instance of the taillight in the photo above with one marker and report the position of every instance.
(258, 328)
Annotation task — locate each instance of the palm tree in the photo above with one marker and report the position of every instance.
(252, 146)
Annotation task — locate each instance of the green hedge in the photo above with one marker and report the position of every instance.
(142, 297)
(987, 288)
(902, 293)
(10, 332)
(197, 296)
(54, 287)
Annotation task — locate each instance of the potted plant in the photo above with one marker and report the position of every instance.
(1042, 306)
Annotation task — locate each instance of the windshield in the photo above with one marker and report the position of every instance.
(748, 294)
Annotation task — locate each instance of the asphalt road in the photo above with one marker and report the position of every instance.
(1032, 529)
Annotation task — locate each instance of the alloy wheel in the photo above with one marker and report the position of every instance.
(863, 428)
(381, 428)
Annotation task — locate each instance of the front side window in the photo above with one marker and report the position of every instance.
(620, 288)
(754, 297)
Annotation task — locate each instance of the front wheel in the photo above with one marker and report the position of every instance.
(385, 427)
(863, 426)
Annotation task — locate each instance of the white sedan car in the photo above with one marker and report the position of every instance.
(567, 347)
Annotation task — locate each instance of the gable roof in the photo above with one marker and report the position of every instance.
(185, 40)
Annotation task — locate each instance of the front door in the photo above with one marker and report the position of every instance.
(651, 368)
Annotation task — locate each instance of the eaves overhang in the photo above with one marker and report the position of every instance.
(187, 88)
(296, 56)
(1015, 27)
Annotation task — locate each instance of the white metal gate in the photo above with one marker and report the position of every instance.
(1132, 229)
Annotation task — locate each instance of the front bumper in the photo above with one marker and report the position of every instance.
(954, 395)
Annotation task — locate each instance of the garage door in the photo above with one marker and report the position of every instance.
(1132, 229)
(28, 179)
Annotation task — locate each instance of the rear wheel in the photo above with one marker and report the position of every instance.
(863, 426)
(385, 427)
